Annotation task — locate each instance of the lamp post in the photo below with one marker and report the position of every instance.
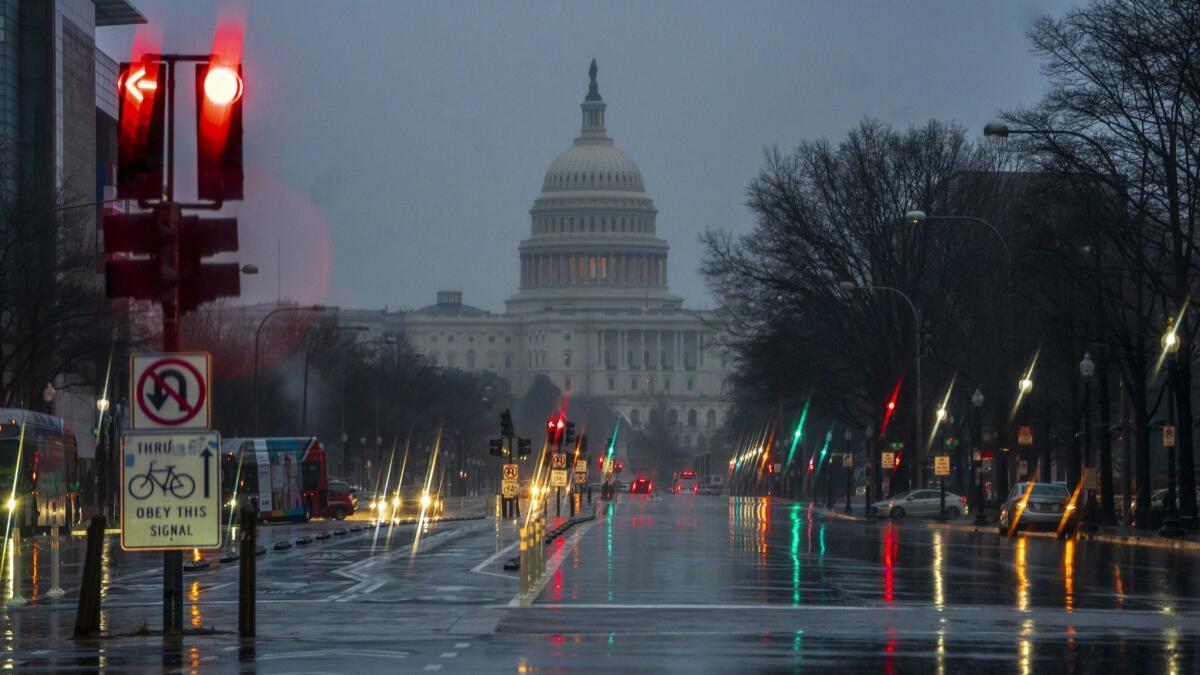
(1087, 371)
(1025, 387)
(977, 456)
(872, 466)
(849, 469)
(258, 336)
(304, 399)
(918, 413)
(1170, 526)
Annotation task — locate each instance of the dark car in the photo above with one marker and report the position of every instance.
(641, 486)
(1043, 504)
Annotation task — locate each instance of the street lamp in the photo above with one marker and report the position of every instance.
(258, 335)
(1170, 526)
(941, 414)
(977, 410)
(849, 469)
(101, 405)
(48, 397)
(1087, 370)
(851, 286)
(1025, 384)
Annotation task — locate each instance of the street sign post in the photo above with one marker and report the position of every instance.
(581, 465)
(581, 478)
(170, 391)
(1024, 435)
(512, 471)
(941, 465)
(170, 490)
(848, 460)
(509, 488)
(1168, 436)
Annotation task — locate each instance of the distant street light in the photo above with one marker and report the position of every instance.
(977, 456)
(1026, 384)
(851, 286)
(102, 405)
(941, 414)
(258, 334)
(1170, 526)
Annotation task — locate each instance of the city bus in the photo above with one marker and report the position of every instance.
(45, 465)
(284, 478)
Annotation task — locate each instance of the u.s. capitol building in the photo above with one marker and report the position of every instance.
(593, 312)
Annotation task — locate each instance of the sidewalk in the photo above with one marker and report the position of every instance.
(1121, 535)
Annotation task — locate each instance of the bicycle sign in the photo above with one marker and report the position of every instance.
(170, 391)
(170, 490)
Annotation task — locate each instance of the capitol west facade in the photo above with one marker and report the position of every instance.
(593, 312)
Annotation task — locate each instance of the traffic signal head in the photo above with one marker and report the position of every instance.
(524, 447)
(506, 424)
(219, 172)
(142, 124)
(495, 447)
(570, 433)
(552, 431)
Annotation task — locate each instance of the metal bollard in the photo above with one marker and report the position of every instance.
(56, 589)
(87, 613)
(247, 572)
(15, 570)
(524, 561)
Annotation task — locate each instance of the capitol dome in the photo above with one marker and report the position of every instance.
(593, 243)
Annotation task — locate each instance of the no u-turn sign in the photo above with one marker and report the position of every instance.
(170, 391)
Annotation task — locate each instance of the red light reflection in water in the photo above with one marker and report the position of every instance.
(556, 589)
(890, 662)
(890, 549)
(33, 593)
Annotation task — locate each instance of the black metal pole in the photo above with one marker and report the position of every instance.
(247, 571)
(87, 612)
(977, 462)
(849, 484)
(1170, 526)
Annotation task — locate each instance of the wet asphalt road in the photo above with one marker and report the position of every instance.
(671, 584)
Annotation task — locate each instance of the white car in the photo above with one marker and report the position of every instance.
(920, 503)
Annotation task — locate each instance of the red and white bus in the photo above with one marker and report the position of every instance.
(285, 478)
(39, 455)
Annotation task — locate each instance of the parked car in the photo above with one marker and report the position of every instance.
(1044, 504)
(1158, 500)
(712, 485)
(920, 503)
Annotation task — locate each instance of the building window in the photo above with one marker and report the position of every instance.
(629, 359)
(567, 358)
(450, 359)
(508, 359)
(667, 384)
(433, 338)
(567, 337)
(449, 338)
(491, 359)
(471, 338)
(507, 339)
(470, 359)
(710, 419)
(692, 418)
(612, 383)
(635, 417)
(567, 383)
(673, 417)
(633, 383)
(491, 339)
(650, 384)
(433, 358)
(691, 383)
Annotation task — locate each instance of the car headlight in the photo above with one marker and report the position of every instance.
(426, 500)
(395, 502)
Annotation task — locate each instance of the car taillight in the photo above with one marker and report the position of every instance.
(962, 500)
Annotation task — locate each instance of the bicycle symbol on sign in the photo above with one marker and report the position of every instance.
(178, 485)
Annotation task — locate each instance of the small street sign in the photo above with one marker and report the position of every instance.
(511, 471)
(941, 465)
(581, 465)
(170, 490)
(558, 460)
(887, 460)
(558, 478)
(580, 477)
(1024, 435)
(1023, 468)
(170, 391)
(848, 461)
(1168, 439)
(509, 488)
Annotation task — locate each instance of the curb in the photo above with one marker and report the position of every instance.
(1148, 542)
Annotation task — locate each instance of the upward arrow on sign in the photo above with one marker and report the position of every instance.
(207, 455)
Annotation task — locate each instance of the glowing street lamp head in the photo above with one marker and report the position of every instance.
(1026, 384)
(1170, 342)
(891, 405)
(941, 414)
(222, 85)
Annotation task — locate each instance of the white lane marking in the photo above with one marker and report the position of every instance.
(498, 574)
(448, 655)
(377, 653)
(816, 608)
(553, 564)
(433, 666)
(361, 571)
(492, 558)
(462, 645)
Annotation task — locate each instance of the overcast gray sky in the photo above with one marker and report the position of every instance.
(394, 148)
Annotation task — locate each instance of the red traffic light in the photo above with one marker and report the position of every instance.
(136, 82)
(142, 127)
(222, 85)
